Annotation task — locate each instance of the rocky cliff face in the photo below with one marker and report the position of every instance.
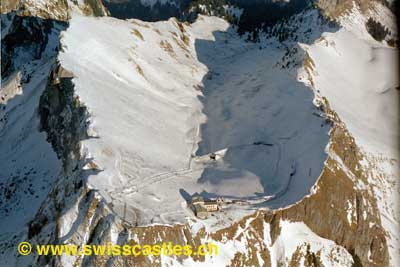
(48, 9)
(341, 212)
(23, 33)
(379, 31)
(336, 8)
(53, 9)
(63, 118)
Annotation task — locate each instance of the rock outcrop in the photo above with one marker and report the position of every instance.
(53, 9)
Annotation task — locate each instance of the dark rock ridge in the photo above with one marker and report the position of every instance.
(63, 118)
(28, 33)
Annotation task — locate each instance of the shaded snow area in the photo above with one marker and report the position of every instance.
(28, 164)
(164, 96)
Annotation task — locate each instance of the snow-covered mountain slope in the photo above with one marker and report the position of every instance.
(160, 98)
(370, 108)
(28, 164)
(226, 97)
(365, 96)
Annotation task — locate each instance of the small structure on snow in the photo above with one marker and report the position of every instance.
(203, 207)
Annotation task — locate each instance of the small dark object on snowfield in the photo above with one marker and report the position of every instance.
(258, 143)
